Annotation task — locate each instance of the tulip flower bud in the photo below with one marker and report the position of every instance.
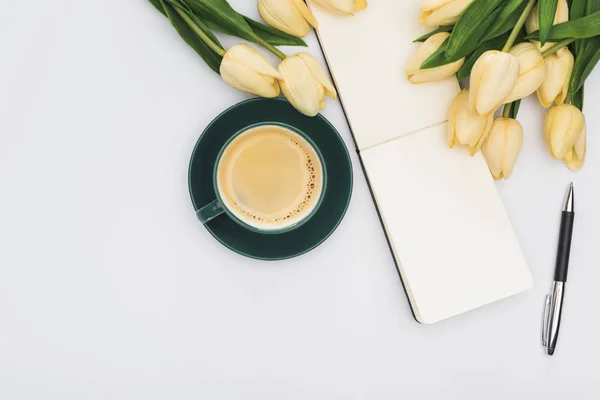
(559, 67)
(533, 22)
(493, 79)
(532, 71)
(245, 69)
(503, 147)
(290, 16)
(342, 6)
(466, 126)
(417, 75)
(563, 127)
(576, 156)
(442, 12)
(305, 83)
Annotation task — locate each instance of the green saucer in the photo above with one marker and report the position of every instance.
(335, 199)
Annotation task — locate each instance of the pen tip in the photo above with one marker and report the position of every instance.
(569, 204)
(550, 351)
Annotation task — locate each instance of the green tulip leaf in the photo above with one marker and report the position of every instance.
(442, 56)
(508, 18)
(514, 109)
(212, 59)
(577, 9)
(472, 27)
(438, 58)
(582, 28)
(577, 98)
(274, 36)
(592, 6)
(219, 13)
(547, 14)
(585, 63)
(446, 28)
(183, 6)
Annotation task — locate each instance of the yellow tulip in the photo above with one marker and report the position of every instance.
(466, 126)
(342, 6)
(493, 79)
(532, 71)
(533, 22)
(563, 127)
(290, 16)
(417, 75)
(555, 87)
(305, 83)
(442, 12)
(503, 147)
(575, 158)
(245, 69)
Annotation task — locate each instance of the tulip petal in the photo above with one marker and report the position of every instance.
(578, 153)
(319, 73)
(305, 12)
(562, 15)
(470, 127)
(548, 123)
(442, 12)
(417, 75)
(568, 126)
(532, 71)
(556, 84)
(563, 126)
(252, 58)
(466, 126)
(513, 147)
(503, 147)
(493, 149)
(283, 15)
(240, 77)
(300, 87)
(495, 75)
(452, 119)
(425, 50)
(361, 4)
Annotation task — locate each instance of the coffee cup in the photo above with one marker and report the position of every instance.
(269, 178)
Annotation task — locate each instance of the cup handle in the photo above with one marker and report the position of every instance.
(210, 211)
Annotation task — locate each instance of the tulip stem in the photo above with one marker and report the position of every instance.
(558, 46)
(209, 42)
(515, 32)
(271, 48)
(507, 110)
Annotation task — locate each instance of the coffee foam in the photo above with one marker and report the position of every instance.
(296, 157)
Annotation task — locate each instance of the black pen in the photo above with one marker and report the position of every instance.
(554, 301)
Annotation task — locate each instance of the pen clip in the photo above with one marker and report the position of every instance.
(545, 321)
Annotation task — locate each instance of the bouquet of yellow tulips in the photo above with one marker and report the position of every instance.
(510, 49)
(300, 77)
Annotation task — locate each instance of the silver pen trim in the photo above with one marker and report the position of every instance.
(545, 321)
(569, 204)
(554, 315)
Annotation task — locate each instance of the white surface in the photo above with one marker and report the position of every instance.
(436, 203)
(444, 218)
(109, 288)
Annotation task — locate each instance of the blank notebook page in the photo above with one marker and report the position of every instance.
(449, 232)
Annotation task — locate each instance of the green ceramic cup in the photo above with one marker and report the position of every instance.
(218, 207)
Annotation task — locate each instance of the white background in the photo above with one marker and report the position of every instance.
(109, 287)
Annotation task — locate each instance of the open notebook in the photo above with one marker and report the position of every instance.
(449, 233)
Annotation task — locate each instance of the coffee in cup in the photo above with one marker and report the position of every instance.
(270, 178)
